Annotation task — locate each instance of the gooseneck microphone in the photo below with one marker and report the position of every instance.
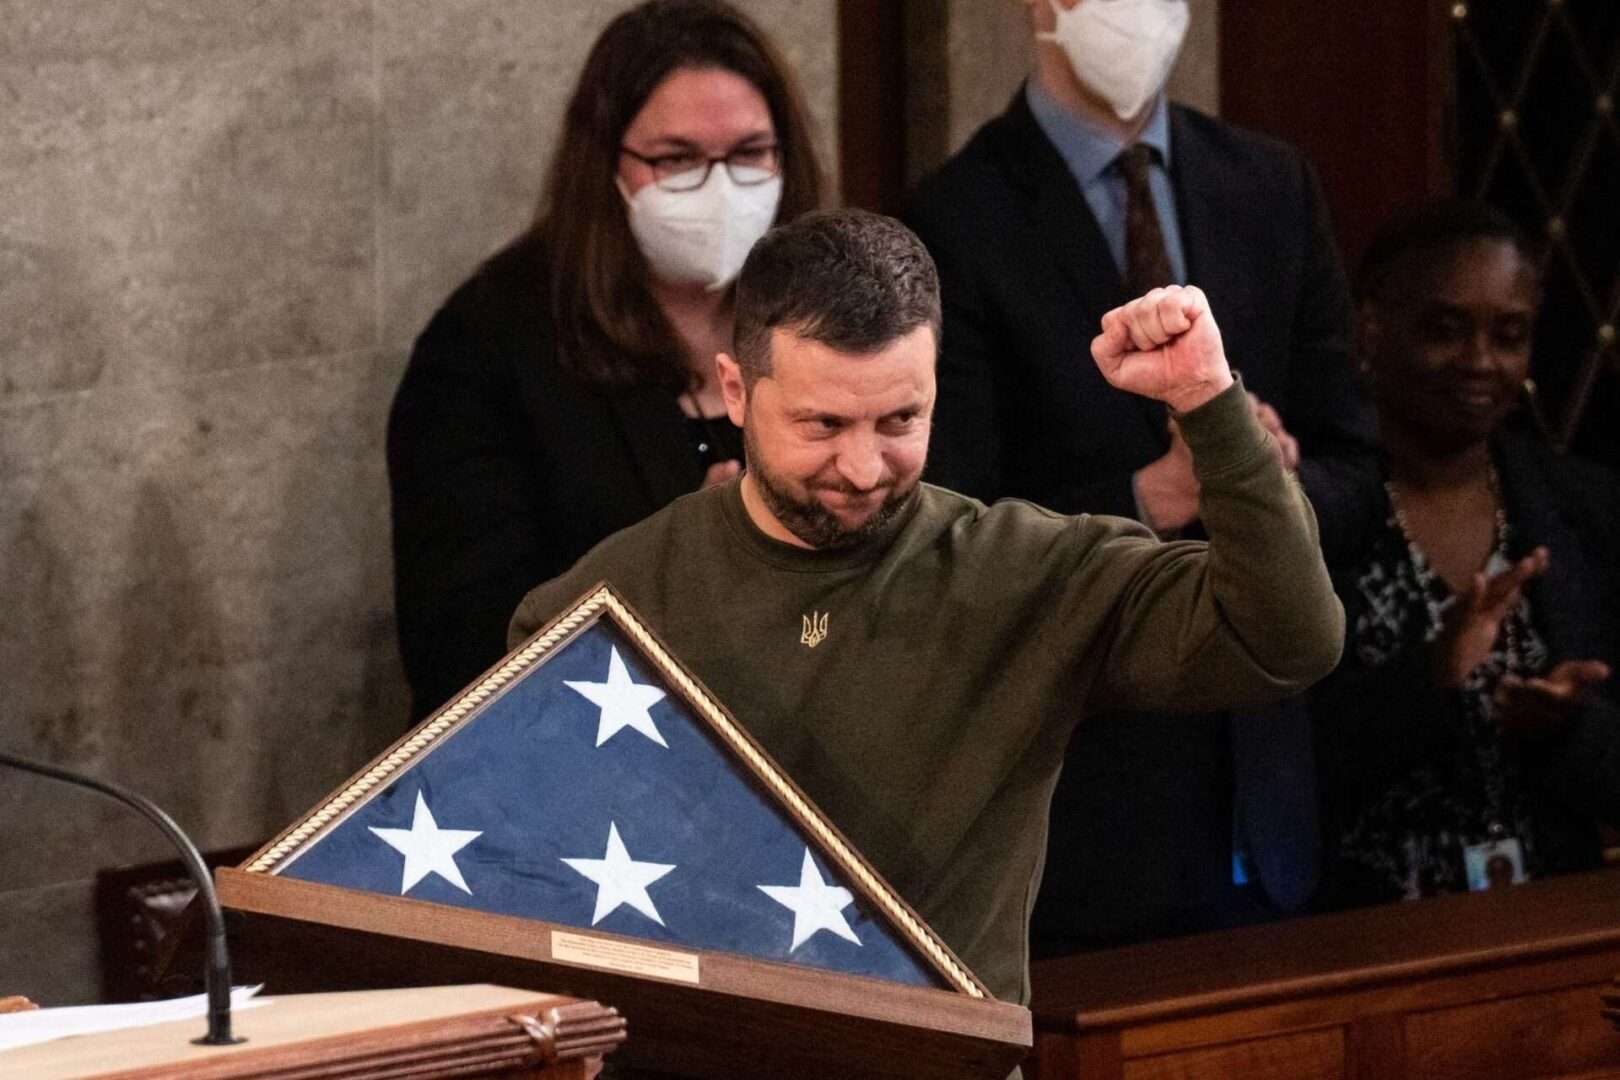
(217, 971)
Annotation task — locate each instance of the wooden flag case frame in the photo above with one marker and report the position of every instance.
(690, 1011)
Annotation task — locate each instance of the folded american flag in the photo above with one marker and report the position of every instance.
(588, 793)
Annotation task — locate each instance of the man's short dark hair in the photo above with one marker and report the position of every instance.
(852, 280)
(1428, 229)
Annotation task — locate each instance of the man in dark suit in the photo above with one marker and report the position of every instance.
(1089, 188)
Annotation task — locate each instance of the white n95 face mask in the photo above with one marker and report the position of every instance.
(702, 236)
(1121, 50)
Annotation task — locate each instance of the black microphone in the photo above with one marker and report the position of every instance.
(217, 972)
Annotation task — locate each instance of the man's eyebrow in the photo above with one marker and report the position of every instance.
(911, 408)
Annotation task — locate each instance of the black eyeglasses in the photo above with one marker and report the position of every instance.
(689, 170)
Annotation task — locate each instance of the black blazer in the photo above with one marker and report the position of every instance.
(505, 469)
(1374, 724)
(1026, 277)
(1142, 818)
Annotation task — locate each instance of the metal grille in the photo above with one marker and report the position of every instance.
(1537, 135)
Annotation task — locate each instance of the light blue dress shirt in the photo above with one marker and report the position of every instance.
(1090, 152)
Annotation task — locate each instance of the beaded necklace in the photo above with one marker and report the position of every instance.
(1496, 563)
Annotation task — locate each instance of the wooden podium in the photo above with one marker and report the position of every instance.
(1475, 987)
(424, 1034)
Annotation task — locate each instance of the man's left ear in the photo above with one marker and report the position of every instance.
(732, 387)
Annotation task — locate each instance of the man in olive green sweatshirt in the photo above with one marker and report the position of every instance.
(914, 659)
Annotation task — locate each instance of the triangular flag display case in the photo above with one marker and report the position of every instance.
(588, 819)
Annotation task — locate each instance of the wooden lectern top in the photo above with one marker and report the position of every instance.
(439, 1031)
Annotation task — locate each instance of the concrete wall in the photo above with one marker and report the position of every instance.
(966, 57)
(221, 225)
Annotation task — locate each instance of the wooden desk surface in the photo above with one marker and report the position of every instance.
(1486, 986)
(1167, 979)
(282, 1023)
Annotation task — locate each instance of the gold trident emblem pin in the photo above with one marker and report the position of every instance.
(815, 630)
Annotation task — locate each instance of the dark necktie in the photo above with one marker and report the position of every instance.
(1147, 264)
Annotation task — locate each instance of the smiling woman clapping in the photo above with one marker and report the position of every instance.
(1470, 738)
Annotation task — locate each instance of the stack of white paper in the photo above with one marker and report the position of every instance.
(43, 1025)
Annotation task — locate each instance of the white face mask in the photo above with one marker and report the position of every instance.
(1121, 50)
(702, 236)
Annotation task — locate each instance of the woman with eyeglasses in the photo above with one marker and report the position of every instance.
(567, 390)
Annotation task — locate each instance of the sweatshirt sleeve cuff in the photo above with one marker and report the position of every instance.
(1223, 433)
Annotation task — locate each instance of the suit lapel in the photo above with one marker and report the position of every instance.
(1567, 607)
(1206, 200)
(1200, 200)
(1073, 239)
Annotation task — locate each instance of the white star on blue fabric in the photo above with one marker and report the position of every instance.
(815, 904)
(428, 849)
(620, 879)
(624, 703)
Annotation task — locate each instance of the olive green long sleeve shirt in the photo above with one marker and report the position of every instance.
(963, 645)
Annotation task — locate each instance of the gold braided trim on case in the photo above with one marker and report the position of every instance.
(428, 734)
(918, 933)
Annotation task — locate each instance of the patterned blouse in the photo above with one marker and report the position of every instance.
(1411, 836)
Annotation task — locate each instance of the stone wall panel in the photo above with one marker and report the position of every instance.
(47, 935)
(188, 188)
(199, 583)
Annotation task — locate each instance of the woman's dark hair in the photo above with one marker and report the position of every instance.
(609, 328)
(1429, 228)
